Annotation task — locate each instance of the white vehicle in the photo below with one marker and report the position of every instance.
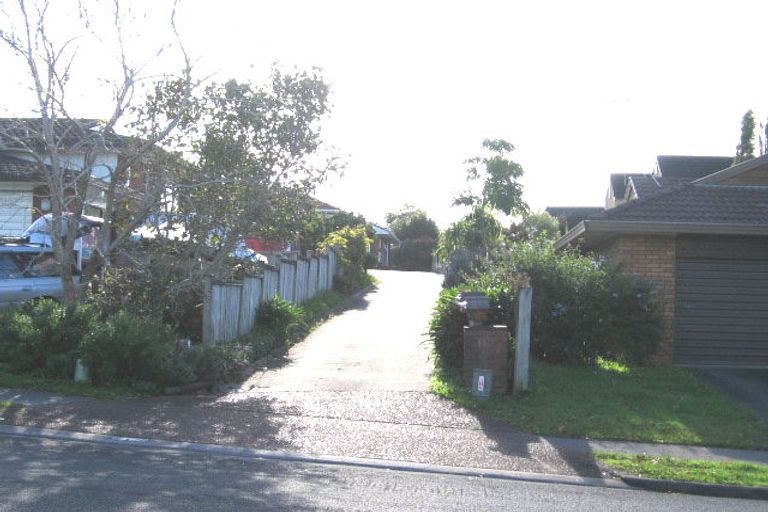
(39, 233)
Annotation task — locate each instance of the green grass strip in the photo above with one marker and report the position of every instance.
(701, 471)
(67, 387)
(614, 401)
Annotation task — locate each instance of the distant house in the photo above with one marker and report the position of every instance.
(698, 228)
(24, 195)
(383, 241)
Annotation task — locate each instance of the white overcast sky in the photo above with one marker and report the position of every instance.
(582, 89)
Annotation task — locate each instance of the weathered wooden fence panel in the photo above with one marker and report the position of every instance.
(322, 279)
(287, 278)
(229, 310)
(225, 312)
(302, 280)
(250, 300)
(270, 282)
(314, 266)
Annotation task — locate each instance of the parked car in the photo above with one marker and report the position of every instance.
(29, 272)
(39, 232)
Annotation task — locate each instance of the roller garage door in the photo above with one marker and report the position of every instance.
(15, 208)
(721, 307)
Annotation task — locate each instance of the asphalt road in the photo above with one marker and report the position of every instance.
(43, 475)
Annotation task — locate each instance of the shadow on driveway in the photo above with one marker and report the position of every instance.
(747, 386)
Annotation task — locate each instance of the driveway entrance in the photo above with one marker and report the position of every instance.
(748, 386)
(379, 345)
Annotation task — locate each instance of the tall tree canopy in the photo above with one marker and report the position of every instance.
(746, 148)
(499, 176)
(418, 236)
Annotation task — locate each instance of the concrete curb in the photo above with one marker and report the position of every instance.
(252, 453)
(701, 489)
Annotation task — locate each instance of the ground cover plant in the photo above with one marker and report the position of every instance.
(616, 401)
(671, 468)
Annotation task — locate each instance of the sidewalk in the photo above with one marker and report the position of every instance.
(400, 426)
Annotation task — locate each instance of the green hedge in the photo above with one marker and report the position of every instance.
(582, 309)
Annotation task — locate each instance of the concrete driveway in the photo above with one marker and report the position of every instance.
(748, 386)
(379, 345)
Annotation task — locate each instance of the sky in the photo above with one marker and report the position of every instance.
(582, 89)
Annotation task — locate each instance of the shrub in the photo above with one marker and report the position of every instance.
(446, 329)
(156, 283)
(286, 321)
(351, 245)
(43, 337)
(129, 349)
(414, 254)
(582, 309)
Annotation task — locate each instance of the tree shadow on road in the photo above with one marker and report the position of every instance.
(47, 475)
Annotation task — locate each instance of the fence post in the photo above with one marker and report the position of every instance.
(523, 339)
(207, 312)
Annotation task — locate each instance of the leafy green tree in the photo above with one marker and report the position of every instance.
(418, 236)
(479, 232)
(535, 226)
(499, 176)
(352, 245)
(320, 226)
(247, 169)
(746, 148)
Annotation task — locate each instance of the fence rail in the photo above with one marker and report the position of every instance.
(229, 310)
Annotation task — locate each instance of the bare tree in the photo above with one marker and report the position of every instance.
(68, 151)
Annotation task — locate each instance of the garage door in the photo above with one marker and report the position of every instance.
(15, 209)
(722, 309)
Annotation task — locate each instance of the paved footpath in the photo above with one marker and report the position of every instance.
(357, 387)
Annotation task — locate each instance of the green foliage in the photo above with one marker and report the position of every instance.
(418, 236)
(284, 319)
(499, 175)
(414, 254)
(411, 223)
(746, 148)
(535, 226)
(672, 468)
(127, 348)
(479, 232)
(582, 309)
(645, 404)
(446, 329)
(43, 337)
(320, 226)
(351, 245)
(161, 284)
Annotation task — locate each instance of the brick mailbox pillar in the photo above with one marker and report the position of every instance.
(486, 347)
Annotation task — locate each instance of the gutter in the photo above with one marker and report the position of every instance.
(617, 227)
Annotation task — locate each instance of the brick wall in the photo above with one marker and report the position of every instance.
(653, 258)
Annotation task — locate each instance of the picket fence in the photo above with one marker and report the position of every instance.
(229, 310)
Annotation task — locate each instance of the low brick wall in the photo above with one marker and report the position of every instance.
(487, 348)
(652, 258)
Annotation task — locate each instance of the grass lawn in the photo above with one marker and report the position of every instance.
(611, 401)
(67, 387)
(670, 468)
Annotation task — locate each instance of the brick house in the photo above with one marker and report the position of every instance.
(701, 235)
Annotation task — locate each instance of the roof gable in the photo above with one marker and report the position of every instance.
(753, 172)
(691, 167)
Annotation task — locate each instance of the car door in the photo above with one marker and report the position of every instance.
(14, 287)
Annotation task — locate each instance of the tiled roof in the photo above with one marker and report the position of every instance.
(691, 167)
(14, 169)
(646, 185)
(696, 203)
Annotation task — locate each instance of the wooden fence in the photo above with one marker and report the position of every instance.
(229, 310)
